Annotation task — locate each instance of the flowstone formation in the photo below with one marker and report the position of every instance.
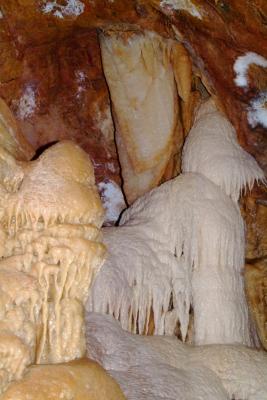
(164, 368)
(174, 245)
(78, 380)
(182, 247)
(50, 219)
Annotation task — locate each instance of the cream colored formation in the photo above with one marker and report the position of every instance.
(50, 219)
(183, 244)
(164, 368)
(77, 380)
(174, 245)
(143, 72)
(51, 248)
(178, 248)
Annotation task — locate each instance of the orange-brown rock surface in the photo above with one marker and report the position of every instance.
(60, 93)
(255, 214)
(256, 290)
(48, 47)
(47, 44)
(220, 32)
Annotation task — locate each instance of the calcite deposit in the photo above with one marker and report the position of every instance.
(141, 80)
(79, 380)
(51, 225)
(167, 368)
(50, 216)
(180, 240)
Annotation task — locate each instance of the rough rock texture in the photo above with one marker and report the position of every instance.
(231, 29)
(60, 93)
(11, 137)
(208, 28)
(256, 289)
(255, 213)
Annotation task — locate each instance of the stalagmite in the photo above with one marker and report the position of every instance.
(140, 77)
(62, 263)
(165, 368)
(173, 244)
(158, 250)
(50, 216)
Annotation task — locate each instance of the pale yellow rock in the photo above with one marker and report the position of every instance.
(69, 161)
(21, 299)
(11, 171)
(136, 184)
(77, 380)
(139, 72)
(182, 66)
(50, 244)
(14, 359)
(10, 136)
(57, 188)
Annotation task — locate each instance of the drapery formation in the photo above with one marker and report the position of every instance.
(179, 240)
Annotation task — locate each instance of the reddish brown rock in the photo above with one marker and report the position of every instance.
(61, 93)
(224, 31)
(256, 290)
(220, 33)
(254, 207)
